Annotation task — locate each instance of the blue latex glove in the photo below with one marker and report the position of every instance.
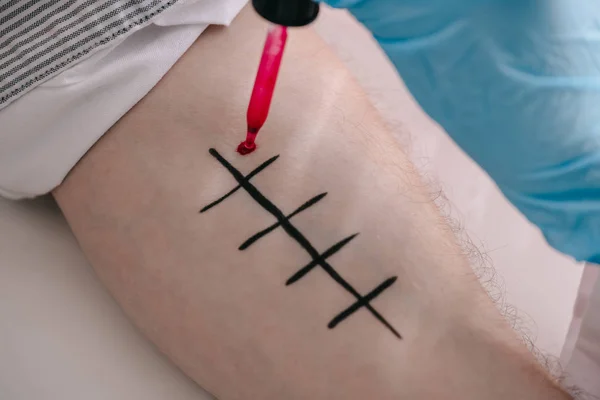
(516, 83)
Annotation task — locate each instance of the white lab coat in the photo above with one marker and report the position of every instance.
(581, 354)
(77, 106)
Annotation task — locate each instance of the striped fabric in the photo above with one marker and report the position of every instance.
(40, 38)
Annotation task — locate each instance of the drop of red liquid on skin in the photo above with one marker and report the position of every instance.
(246, 148)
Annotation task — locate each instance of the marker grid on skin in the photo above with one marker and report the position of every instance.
(318, 260)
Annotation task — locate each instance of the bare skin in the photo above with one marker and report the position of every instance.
(225, 316)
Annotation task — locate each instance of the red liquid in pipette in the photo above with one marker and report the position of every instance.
(264, 86)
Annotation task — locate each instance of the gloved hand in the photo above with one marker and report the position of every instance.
(516, 83)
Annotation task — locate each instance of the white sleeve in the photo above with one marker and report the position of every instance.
(44, 133)
(581, 353)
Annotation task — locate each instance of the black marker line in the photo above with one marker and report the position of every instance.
(276, 225)
(292, 231)
(322, 257)
(362, 303)
(247, 178)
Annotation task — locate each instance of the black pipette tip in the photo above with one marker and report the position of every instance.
(287, 12)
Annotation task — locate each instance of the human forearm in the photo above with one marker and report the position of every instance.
(226, 316)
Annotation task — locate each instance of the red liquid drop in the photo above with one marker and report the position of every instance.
(246, 148)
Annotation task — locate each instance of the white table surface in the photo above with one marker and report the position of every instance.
(62, 337)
